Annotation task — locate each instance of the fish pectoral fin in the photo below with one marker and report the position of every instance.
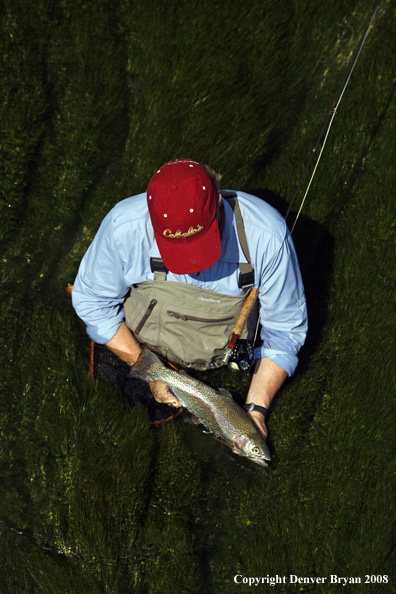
(221, 440)
(225, 393)
(193, 420)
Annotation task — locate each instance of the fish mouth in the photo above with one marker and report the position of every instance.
(257, 460)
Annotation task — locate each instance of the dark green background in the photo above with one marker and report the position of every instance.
(97, 95)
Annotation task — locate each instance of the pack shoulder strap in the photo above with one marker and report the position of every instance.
(246, 272)
(159, 269)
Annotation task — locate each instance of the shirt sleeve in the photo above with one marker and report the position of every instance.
(283, 311)
(100, 288)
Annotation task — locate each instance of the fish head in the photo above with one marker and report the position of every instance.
(253, 448)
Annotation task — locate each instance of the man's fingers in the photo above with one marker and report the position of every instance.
(162, 393)
(259, 421)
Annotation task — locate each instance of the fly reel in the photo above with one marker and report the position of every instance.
(242, 356)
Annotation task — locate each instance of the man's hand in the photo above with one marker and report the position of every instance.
(266, 381)
(267, 378)
(127, 348)
(259, 421)
(162, 393)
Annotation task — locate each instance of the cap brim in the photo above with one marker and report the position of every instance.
(192, 254)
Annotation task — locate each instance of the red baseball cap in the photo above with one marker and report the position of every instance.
(182, 199)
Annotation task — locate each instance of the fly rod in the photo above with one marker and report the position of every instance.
(329, 120)
(236, 332)
(251, 298)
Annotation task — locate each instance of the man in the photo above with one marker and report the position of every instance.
(184, 248)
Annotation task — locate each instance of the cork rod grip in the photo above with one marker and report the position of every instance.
(245, 311)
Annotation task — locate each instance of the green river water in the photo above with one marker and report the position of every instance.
(95, 96)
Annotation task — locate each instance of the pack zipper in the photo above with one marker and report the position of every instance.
(185, 318)
(147, 314)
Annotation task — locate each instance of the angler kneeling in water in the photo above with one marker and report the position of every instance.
(170, 268)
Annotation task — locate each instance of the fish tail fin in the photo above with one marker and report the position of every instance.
(146, 366)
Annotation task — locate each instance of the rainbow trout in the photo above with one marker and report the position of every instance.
(215, 409)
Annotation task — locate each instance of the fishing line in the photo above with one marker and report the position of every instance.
(330, 118)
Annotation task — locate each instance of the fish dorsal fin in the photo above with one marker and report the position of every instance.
(225, 393)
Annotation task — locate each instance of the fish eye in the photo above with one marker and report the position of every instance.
(256, 450)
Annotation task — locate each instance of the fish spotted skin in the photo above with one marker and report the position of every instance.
(216, 409)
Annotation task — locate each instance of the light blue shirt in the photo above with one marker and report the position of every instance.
(119, 257)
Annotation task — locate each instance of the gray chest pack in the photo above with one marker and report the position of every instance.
(185, 324)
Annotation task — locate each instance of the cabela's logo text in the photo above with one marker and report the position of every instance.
(178, 234)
